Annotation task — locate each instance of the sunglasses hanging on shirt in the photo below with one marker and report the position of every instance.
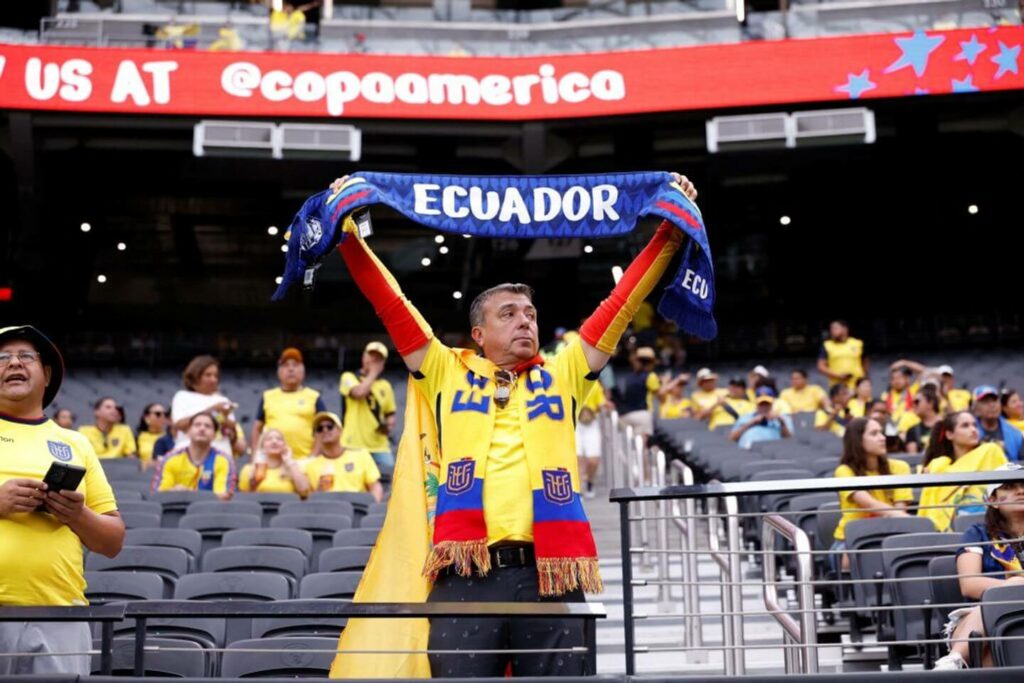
(504, 380)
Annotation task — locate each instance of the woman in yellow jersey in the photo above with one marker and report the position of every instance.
(153, 426)
(864, 455)
(1013, 408)
(674, 404)
(955, 447)
(863, 395)
(273, 469)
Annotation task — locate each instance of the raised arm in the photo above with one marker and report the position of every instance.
(603, 329)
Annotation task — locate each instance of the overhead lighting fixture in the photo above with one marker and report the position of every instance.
(121, 246)
(86, 227)
(616, 273)
(439, 239)
(443, 250)
(785, 220)
(278, 279)
(101, 279)
(588, 249)
(425, 261)
(456, 295)
(272, 231)
(972, 209)
(284, 248)
(466, 236)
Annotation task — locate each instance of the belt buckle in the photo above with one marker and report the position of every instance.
(502, 565)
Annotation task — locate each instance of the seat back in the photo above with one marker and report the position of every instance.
(187, 660)
(287, 562)
(189, 540)
(120, 586)
(867, 535)
(212, 526)
(907, 557)
(1002, 612)
(352, 558)
(299, 658)
(962, 523)
(335, 585)
(300, 539)
(350, 537)
(340, 508)
(169, 563)
(220, 507)
(944, 585)
(264, 586)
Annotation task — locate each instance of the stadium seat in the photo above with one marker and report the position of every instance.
(321, 526)
(360, 501)
(271, 502)
(377, 508)
(164, 657)
(351, 558)
(300, 539)
(336, 585)
(944, 585)
(175, 503)
(759, 465)
(1003, 621)
(867, 535)
(293, 662)
(139, 520)
(221, 507)
(145, 506)
(288, 627)
(828, 519)
(962, 523)
(213, 526)
(189, 540)
(287, 562)
(116, 467)
(127, 495)
(372, 522)
(824, 467)
(350, 537)
(129, 487)
(119, 586)
(169, 563)
(338, 508)
(232, 586)
(906, 556)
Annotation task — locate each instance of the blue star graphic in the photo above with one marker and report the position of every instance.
(965, 85)
(916, 51)
(970, 49)
(1006, 59)
(857, 84)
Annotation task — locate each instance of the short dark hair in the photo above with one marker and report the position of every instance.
(203, 414)
(801, 372)
(836, 389)
(100, 400)
(476, 309)
(861, 381)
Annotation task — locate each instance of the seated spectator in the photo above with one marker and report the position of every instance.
(899, 397)
(731, 406)
(199, 466)
(228, 40)
(273, 468)
(705, 399)
(992, 548)
(336, 468)
(368, 402)
(838, 415)
(154, 426)
(674, 404)
(754, 378)
(202, 395)
(762, 423)
(109, 438)
(955, 447)
(993, 427)
(1013, 408)
(953, 399)
(926, 407)
(637, 401)
(290, 407)
(863, 395)
(802, 396)
(178, 36)
(864, 455)
(64, 418)
(879, 411)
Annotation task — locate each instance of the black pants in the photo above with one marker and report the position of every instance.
(510, 584)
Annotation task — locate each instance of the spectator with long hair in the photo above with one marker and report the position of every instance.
(989, 556)
(864, 455)
(154, 425)
(201, 394)
(926, 407)
(273, 468)
(64, 418)
(862, 397)
(956, 447)
(1012, 407)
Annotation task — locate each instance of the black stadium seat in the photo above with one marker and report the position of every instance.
(944, 585)
(336, 585)
(169, 563)
(1004, 621)
(341, 508)
(962, 523)
(166, 657)
(352, 558)
(348, 537)
(300, 539)
(289, 627)
(220, 507)
(868, 534)
(118, 586)
(189, 540)
(372, 522)
(139, 520)
(212, 526)
(288, 562)
(232, 586)
(295, 660)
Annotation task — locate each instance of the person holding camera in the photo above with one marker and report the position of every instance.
(763, 424)
(368, 404)
(42, 526)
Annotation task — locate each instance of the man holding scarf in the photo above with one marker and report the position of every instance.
(509, 522)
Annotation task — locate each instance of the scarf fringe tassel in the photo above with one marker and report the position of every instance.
(559, 575)
(462, 554)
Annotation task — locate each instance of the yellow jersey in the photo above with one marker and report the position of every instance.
(675, 409)
(119, 442)
(216, 473)
(292, 413)
(844, 358)
(365, 418)
(857, 407)
(40, 557)
(276, 481)
(146, 441)
(957, 400)
(806, 400)
(900, 402)
(595, 399)
(852, 511)
(354, 471)
(838, 426)
(907, 420)
(737, 407)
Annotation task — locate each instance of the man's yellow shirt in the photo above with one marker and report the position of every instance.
(118, 443)
(806, 400)
(844, 358)
(354, 471)
(364, 416)
(672, 409)
(40, 557)
(276, 481)
(957, 400)
(177, 469)
(292, 413)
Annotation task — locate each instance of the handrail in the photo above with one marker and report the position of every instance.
(681, 474)
(803, 632)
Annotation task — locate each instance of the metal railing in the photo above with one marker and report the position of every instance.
(802, 631)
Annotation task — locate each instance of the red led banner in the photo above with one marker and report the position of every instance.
(267, 84)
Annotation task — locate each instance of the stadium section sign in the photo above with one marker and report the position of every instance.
(513, 88)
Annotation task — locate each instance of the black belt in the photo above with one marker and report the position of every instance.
(503, 557)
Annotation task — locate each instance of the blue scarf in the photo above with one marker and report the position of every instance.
(206, 472)
(521, 207)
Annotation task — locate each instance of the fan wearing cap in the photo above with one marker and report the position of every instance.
(289, 407)
(674, 403)
(334, 467)
(762, 423)
(754, 379)
(992, 426)
(368, 406)
(639, 389)
(953, 399)
(41, 552)
(990, 555)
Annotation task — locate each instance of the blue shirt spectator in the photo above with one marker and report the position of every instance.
(762, 424)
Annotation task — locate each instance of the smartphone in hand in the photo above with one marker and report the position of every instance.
(62, 477)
